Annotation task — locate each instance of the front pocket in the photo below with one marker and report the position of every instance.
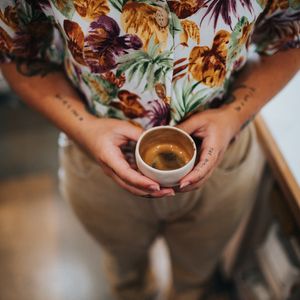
(75, 160)
(239, 154)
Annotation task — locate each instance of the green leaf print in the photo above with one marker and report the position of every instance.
(174, 24)
(118, 4)
(115, 113)
(185, 99)
(27, 15)
(66, 7)
(150, 66)
(294, 4)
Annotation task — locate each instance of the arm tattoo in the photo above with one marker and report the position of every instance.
(210, 151)
(249, 92)
(66, 103)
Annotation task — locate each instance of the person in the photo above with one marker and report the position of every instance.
(103, 71)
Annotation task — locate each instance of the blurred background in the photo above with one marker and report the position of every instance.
(45, 253)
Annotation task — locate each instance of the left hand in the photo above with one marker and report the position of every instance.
(216, 128)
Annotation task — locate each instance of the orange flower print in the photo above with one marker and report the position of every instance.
(190, 30)
(159, 111)
(185, 8)
(75, 40)
(9, 17)
(209, 65)
(91, 9)
(146, 20)
(130, 104)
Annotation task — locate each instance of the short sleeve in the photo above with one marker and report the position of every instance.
(27, 33)
(278, 27)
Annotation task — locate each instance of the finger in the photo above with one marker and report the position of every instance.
(163, 192)
(196, 185)
(129, 188)
(131, 131)
(208, 159)
(190, 125)
(115, 160)
(136, 191)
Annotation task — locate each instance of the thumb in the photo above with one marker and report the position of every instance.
(132, 131)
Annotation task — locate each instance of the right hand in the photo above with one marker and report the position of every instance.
(103, 141)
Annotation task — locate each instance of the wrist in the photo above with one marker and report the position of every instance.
(233, 120)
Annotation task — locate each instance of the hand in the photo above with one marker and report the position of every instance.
(103, 140)
(216, 128)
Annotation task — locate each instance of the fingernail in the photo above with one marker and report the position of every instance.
(170, 194)
(154, 188)
(184, 184)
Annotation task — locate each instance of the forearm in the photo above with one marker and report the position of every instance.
(261, 80)
(54, 97)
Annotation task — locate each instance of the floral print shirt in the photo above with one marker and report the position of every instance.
(153, 62)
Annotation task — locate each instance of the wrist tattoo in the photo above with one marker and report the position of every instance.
(68, 106)
(241, 102)
(210, 151)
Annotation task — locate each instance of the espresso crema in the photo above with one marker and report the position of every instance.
(167, 156)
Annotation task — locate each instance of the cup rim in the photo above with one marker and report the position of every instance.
(192, 160)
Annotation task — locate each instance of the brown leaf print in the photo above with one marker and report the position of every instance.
(75, 40)
(145, 20)
(209, 65)
(279, 4)
(5, 42)
(91, 9)
(31, 40)
(185, 8)
(190, 30)
(9, 17)
(111, 77)
(129, 104)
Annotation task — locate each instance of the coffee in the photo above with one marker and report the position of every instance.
(167, 156)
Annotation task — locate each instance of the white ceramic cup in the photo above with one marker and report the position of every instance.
(165, 134)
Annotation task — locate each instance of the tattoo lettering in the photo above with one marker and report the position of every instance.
(242, 102)
(204, 163)
(66, 103)
(210, 151)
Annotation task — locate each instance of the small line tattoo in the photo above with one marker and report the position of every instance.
(65, 103)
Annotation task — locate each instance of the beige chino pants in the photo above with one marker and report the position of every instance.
(196, 225)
